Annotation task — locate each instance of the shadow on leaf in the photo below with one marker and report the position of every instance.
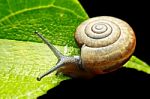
(123, 81)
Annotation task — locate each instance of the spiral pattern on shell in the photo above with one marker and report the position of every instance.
(106, 43)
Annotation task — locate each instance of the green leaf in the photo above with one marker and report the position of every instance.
(22, 55)
(53, 18)
(21, 63)
(22, 58)
(138, 64)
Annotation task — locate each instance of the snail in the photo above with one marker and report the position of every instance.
(106, 43)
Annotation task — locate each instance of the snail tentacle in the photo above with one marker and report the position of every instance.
(57, 53)
(62, 60)
(50, 71)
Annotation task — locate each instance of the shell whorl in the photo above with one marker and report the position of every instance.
(106, 43)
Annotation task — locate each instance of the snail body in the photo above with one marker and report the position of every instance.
(106, 43)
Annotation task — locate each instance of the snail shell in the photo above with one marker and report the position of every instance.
(106, 43)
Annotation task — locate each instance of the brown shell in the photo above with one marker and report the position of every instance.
(106, 43)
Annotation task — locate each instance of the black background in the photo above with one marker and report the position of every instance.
(125, 81)
(136, 13)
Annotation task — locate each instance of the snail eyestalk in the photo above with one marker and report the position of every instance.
(55, 51)
(62, 60)
(50, 71)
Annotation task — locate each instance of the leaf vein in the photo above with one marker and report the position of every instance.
(39, 7)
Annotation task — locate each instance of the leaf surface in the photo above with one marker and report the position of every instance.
(138, 64)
